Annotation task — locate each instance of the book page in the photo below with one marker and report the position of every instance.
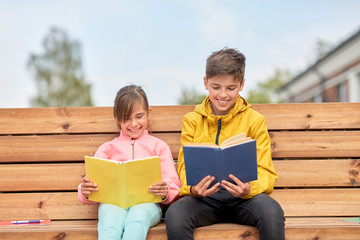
(234, 140)
(203, 145)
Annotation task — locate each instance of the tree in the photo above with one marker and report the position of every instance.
(322, 48)
(190, 96)
(265, 91)
(58, 73)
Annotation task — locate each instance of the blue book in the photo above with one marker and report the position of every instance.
(236, 155)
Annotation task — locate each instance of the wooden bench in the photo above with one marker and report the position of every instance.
(315, 147)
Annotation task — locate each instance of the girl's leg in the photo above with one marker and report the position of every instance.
(139, 219)
(111, 222)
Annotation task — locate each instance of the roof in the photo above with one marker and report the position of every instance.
(319, 61)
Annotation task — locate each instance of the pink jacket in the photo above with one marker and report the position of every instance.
(124, 148)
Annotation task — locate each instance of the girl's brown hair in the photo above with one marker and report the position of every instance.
(125, 101)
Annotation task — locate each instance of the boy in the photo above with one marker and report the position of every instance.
(223, 114)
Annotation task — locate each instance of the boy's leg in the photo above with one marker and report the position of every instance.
(111, 221)
(261, 211)
(188, 213)
(139, 219)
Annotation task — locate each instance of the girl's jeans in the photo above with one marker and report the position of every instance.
(133, 223)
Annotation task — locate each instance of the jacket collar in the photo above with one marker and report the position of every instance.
(125, 136)
(205, 109)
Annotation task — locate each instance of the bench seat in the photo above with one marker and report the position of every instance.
(296, 228)
(315, 148)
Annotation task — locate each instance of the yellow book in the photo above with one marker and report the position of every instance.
(123, 183)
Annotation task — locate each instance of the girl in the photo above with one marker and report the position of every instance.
(131, 112)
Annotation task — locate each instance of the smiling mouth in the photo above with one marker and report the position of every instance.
(134, 130)
(222, 102)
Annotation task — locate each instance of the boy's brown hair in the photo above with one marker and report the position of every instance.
(125, 101)
(224, 62)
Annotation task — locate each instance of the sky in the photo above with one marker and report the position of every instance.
(163, 45)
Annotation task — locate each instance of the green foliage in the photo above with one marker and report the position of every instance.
(58, 73)
(190, 96)
(265, 92)
(322, 48)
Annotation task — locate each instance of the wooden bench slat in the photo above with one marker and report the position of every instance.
(295, 228)
(82, 120)
(318, 173)
(56, 120)
(319, 202)
(292, 173)
(64, 205)
(57, 230)
(63, 148)
(48, 205)
(302, 116)
(315, 144)
(100, 119)
(40, 177)
(45, 148)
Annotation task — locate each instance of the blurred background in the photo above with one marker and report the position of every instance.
(80, 53)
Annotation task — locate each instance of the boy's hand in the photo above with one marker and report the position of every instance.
(159, 189)
(200, 190)
(87, 187)
(239, 189)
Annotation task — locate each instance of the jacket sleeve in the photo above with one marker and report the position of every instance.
(266, 171)
(169, 175)
(187, 136)
(82, 198)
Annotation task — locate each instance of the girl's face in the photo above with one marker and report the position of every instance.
(223, 92)
(137, 122)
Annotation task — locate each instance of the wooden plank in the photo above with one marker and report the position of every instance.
(56, 120)
(295, 229)
(315, 144)
(47, 205)
(292, 173)
(43, 148)
(295, 202)
(47, 148)
(318, 173)
(63, 148)
(319, 202)
(100, 119)
(40, 177)
(298, 116)
(83, 120)
(57, 230)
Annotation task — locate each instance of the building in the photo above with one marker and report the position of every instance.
(333, 78)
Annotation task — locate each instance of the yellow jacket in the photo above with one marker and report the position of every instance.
(202, 125)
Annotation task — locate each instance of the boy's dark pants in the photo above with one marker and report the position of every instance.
(189, 212)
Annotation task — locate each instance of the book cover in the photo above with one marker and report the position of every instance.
(237, 156)
(123, 183)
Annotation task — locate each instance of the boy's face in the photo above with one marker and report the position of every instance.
(137, 122)
(223, 92)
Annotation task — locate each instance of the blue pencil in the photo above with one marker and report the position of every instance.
(26, 222)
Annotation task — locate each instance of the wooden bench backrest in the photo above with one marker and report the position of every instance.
(315, 147)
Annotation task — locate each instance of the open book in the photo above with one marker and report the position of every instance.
(123, 183)
(236, 155)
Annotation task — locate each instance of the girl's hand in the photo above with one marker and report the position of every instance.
(200, 190)
(87, 186)
(239, 189)
(159, 189)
